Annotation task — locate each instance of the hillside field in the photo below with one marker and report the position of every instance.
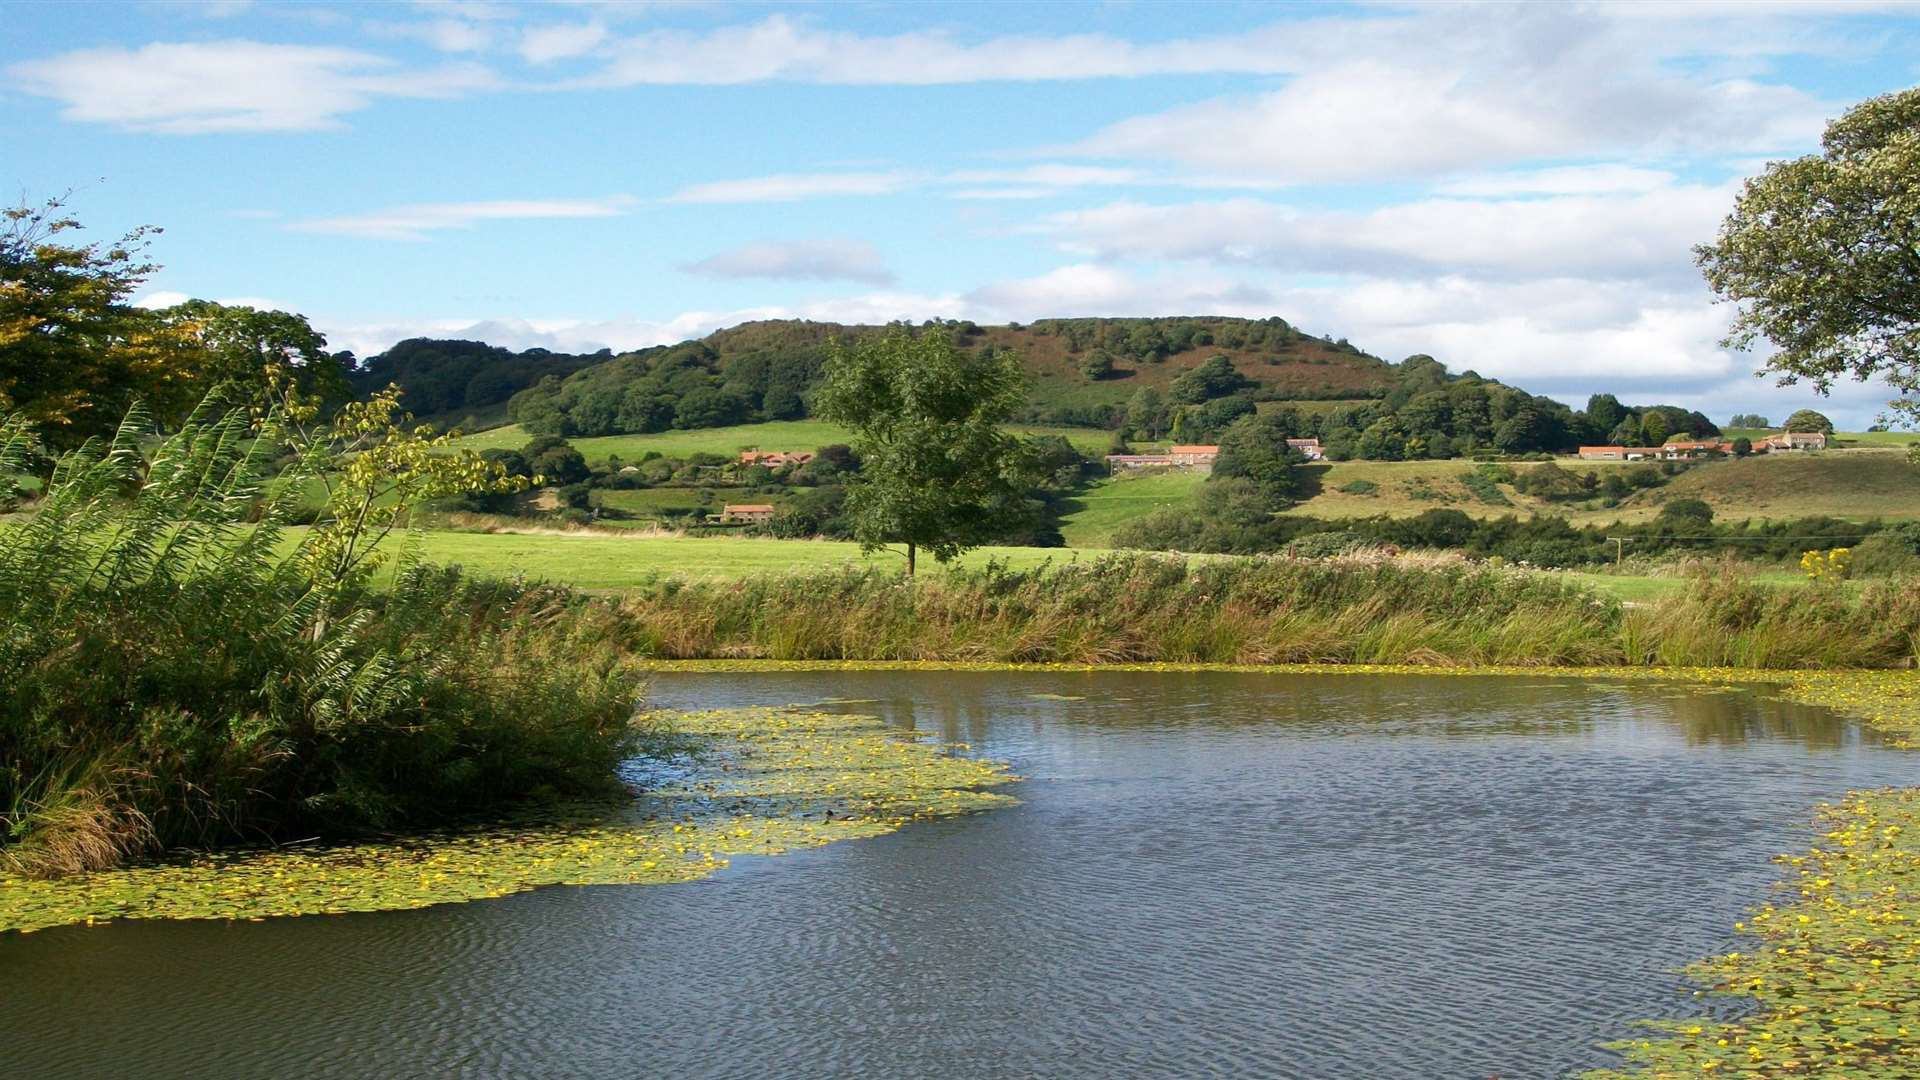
(771, 435)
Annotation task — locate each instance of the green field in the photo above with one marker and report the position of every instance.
(600, 561)
(1111, 502)
(611, 562)
(772, 435)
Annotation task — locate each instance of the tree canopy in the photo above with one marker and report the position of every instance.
(939, 471)
(1822, 255)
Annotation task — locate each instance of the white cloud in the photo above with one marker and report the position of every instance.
(230, 85)
(1562, 180)
(415, 222)
(788, 187)
(1592, 235)
(446, 35)
(560, 41)
(815, 260)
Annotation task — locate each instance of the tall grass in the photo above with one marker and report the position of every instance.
(1139, 607)
(172, 680)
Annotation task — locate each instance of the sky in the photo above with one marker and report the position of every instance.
(1511, 188)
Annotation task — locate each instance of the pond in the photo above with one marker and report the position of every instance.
(1279, 875)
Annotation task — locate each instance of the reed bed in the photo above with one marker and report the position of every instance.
(1366, 609)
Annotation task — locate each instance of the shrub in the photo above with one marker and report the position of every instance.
(182, 671)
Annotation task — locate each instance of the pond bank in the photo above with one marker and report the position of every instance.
(762, 782)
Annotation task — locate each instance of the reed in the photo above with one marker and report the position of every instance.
(1368, 608)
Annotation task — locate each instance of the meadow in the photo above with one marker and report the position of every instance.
(771, 435)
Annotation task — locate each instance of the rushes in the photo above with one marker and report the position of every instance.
(1365, 609)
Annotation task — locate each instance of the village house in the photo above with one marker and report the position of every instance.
(1193, 457)
(743, 514)
(1683, 451)
(1309, 448)
(1117, 462)
(1794, 440)
(774, 459)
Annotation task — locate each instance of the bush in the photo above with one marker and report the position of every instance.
(1359, 487)
(178, 673)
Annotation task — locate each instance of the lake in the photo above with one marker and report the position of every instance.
(1222, 874)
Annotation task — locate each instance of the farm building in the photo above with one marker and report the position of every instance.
(1794, 440)
(774, 459)
(1309, 448)
(1684, 450)
(745, 514)
(1616, 453)
(1193, 457)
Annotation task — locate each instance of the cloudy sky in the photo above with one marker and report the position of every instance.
(1511, 188)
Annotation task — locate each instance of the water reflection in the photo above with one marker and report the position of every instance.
(1209, 874)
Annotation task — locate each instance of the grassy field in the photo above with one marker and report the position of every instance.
(1114, 501)
(773, 435)
(1853, 484)
(598, 561)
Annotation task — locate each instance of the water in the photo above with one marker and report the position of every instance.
(1209, 874)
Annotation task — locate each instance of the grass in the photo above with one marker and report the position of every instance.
(772, 435)
(1845, 484)
(1130, 608)
(593, 560)
(1113, 501)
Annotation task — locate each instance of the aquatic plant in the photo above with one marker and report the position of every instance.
(753, 782)
(1836, 960)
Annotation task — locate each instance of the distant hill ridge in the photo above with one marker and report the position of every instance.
(1084, 371)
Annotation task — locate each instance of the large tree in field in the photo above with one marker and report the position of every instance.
(938, 471)
(1822, 254)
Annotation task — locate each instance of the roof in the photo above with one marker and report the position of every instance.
(747, 508)
(1193, 450)
(1602, 449)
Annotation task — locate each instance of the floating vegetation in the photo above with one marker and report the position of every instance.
(1836, 962)
(764, 781)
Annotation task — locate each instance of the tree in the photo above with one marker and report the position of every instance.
(249, 349)
(1098, 365)
(1742, 446)
(1216, 377)
(1808, 420)
(74, 354)
(1255, 447)
(937, 469)
(1822, 255)
(1604, 412)
(1653, 429)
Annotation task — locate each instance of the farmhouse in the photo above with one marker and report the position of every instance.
(1794, 440)
(1683, 451)
(1117, 462)
(1308, 448)
(1193, 457)
(745, 514)
(774, 459)
(1615, 453)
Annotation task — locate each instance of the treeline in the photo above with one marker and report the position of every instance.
(443, 377)
(1427, 413)
(1683, 525)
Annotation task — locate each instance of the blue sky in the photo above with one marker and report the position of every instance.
(1511, 188)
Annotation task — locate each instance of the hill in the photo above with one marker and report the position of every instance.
(1083, 371)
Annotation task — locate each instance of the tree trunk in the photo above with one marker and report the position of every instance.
(909, 558)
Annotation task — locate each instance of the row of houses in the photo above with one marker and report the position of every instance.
(1683, 451)
(1197, 457)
